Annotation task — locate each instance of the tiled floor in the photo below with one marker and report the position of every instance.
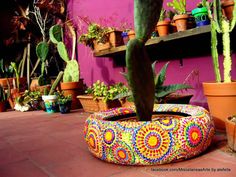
(37, 144)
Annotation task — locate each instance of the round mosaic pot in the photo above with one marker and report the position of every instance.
(176, 132)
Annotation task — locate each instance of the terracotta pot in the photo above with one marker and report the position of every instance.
(181, 22)
(162, 28)
(98, 46)
(2, 106)
(74, 89)
(131, 34)
(173, 28)
(14, 94)
(115, 38)
(22, 80)
(228, 7)
(221, 99)
(231, 133)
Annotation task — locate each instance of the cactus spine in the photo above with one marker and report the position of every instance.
(71, 72)
(219, 24)
(140, 75)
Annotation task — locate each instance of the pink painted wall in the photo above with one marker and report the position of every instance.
(115, 13)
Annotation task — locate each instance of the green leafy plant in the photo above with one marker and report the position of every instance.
(161, 90)
(178, 5)
(63, 99)
(72, 70)
(95, 32)
(16, 71)
(220, 24)
(6, 71)
(99, 89)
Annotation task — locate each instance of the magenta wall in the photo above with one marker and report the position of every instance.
(115, 13)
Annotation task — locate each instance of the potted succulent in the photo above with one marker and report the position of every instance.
(230, 124)
(147, 134)
(181, 16)
(71, 84)
(201, 14)
(221, 94)
(50, 99)
(64, 102)
(162, 26)
(101, 97)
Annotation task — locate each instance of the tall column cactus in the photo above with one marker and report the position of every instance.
(140, 75)
(220, 24)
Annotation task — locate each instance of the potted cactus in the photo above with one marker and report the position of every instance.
(221, 94)
(201, 14)
(71, 84)
(162, 26)
(50, 99)
(181, 16)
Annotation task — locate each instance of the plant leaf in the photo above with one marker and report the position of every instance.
(161, 76)
(166, 90)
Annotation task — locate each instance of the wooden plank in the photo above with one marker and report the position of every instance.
(155, 41)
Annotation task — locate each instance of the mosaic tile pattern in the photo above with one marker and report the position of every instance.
(166, 139)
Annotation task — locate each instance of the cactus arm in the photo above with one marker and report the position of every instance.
(226, 50)
(217, 15)
(140, 75)
(56, 82)
(42, 51)
(214, 52)
(61, 48)
(71, 72)
(146, 15)
(141, 80)
(55, 34)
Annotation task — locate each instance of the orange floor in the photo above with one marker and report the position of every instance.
(37, 144)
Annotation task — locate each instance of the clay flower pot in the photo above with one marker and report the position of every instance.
(221, 99)
(162, 28)
(131, 34)
(228, 7)
(231, 132)
(181, 22)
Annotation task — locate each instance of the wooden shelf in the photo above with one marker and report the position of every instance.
(190, 43)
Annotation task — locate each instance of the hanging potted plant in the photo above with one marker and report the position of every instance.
(181, 16)
(201, 14)
(71, 84)
(147, 134)
(162, 26)
(221, 94)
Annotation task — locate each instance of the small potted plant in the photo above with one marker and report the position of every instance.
(228, 7)
(181, 16)
(64, 102)
(230, 125)
(101, 97)
(162, 26)
(50, 99)
(201, 14)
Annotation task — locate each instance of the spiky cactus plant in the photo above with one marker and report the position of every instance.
(140, 75)
(220, 24)
(72, 71)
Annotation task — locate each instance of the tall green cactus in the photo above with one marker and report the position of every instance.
(140, 75)
(56, 82)
(220, 24)
(71, 72)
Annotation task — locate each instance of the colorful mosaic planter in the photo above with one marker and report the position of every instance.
(177, 132)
